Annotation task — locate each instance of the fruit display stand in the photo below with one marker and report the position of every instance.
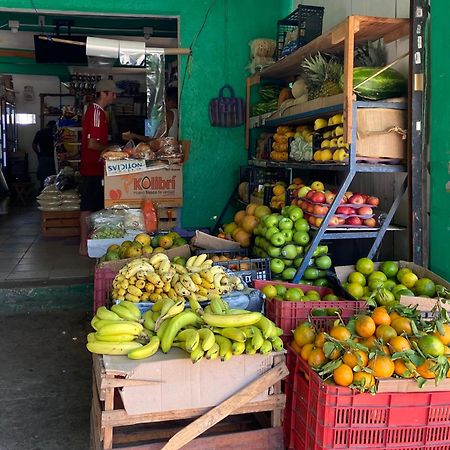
(60, 223)
(343, 37)
(400, 415)
(119, 384)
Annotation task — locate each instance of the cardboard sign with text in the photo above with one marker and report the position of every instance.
(162, 185)
(125, 166)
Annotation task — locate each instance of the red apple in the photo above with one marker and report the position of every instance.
(353, 221)
(306, 216)
(318, 197)
(312, 220)
(334, 221)
(310, 208)
(347, 210)
(348, 194)
(329, 197)
(310, 194)
(343, 200)
(341, 221)
(356, 199)
(365, 197)
(370, 222)
(365, 210)
(320, 210)
(319, 221)
(374, 201)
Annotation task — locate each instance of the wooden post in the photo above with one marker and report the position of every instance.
(349, 49)
(108, 430)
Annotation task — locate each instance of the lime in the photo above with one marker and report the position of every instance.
(323, 262)
(401, 272)
(311, 273)
(405, 292)
(355, 290)
(281, 290)
(375, 284)
(431, 346)
(330, 298)
(294, 294)
(313, 295)
(377, 275)
(366, 290)
(384, 297)
(333, 311)
(289, 273)
(319, 312)
(389, 268)
(409, 279)
(397, 288)
(390, 284)
(322, 282)
(424, 286)
(269, 290)
(305, 282)
(365, 266)
(357, 277)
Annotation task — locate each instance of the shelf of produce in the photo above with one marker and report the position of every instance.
(360, 233)
(366, 28)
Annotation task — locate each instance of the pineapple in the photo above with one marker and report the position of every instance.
(371, 55)
(322, 76)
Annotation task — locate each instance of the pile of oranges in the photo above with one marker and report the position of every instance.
(376, 345)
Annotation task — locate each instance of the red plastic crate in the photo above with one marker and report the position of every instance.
(287, 315)
(325, 416)
(103, 278)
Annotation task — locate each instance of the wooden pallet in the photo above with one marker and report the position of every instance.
(234, 424)
(60, 223)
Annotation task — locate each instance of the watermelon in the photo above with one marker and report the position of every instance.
(269, 92)
(388, 84)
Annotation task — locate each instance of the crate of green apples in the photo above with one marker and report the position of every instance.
(286, 304)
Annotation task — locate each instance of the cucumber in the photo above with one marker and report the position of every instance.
(387, 84)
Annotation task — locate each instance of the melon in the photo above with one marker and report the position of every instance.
(239, 217)
(242, 237)
(249, 223)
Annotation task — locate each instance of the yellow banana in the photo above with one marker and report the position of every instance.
(167, 287)
(141, 275)
(148, 323)
(123, 311)
(177, 308)
(132, 298)
(112, 348)
(207, 285)
(196, 278)
(238, 348)
(133, 270)
(174, 326)
(235, 334)
(120, 328)
(195, 304)
(115, 337)
(202, 292)
(249, 349)
(121, 292)
(207, 264)
(181, 290)
(216, 269)
(266, 326)
(257, 338)
(140, 283)
(158, 291)
(217, 280)
(132, 308)
(145, 297)
(157, 259)
(155, 279)
(190, 337)
(186, 281)
(91, 337)
(225, 351)
(146, 351)
(162, 329)
(197, 354)
(167, 304)
(232, 320)
(213, 352)
(190, 261)
(166, 277)
(200, 259)
(248, 331)
(179, 268)
(277, 344)
(172, 294)
(207, 338)
(207, 276)
(104, 313)
(132, 280)
(154, 297)
(266, 347)
(133, 290)
(175, 279)
(99, 324)
(233, 311)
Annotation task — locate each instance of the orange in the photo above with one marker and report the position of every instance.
(363, 379)
(278, 189)
(385, 332)
(401, 370)
(424, 370)
(394, 315)
(320, 340)
(398, 344)
(447, 351)
(352, 360)
(380, 316)
(370, 342)
(297, 349)
(335, 354)
(316, 358)
(445, 338)
(343, 375)
(239, 217)
(304, 334)
(306, 351)
(402, 325)
(382, 366)
(365, 326)
(340, 333)
(384, 349)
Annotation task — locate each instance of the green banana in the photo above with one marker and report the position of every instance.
(249, 349)
(162, 329)
(146, 351)
(235, 334)
(216, 306)
(277, 344)
(148, 323)
(238, 348)
(213, 352)
(175, 324)
(190, 337)
(112, 348)
(266, 347)
(266, 326)
(157, 306)
(248, 331)
(167, 304)
(123, 312)
(225, 347)
(195, 304)
(115, 337)
(236, 320)
(120, 328)
(257, 339)
(174, 310)
(197, 354)
(132, 308)
(104, 313)
(207, 338)
(94, 322)
(233, 311)
(91, 337)
(155, 315)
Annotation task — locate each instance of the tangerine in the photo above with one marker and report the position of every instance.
(382, 366)
(444, 338)
(364, 379)
(370, 342)
(316, 358)
(394, 315)
(401, 370)
(304, 334)
(351, 359)
(297, 349)
(335, 354)
(340, 333)
(343, 375)
(306, 351)
(320, 340)
(425, 369)
(398, 344)
(380, 316)
(365, 326)
(402, 325)
(385, 332)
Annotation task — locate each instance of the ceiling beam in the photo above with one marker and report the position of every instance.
(17, 53)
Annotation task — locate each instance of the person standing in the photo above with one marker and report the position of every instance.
(94, 140)
(44, 146)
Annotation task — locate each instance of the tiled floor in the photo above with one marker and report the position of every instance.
(27, 256)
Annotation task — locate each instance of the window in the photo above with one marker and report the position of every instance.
(25, 119)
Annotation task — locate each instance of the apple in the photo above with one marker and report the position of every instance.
(334, 221)
(287, 235)
(303, 191)
(302, 237)
(341, 221)
(342, 210)
(285, 224)
(365, 210)
(373, 201)
(277, 239)
(356, 199)
(310, 194)
(353, 221)
(343, 200)
(329, 197)
(295, 213)
(312, 220)
(365, 197)
(310, 208)
(289, 251)
(320, 210)
(318, 197)
(276, 265)
(317, 186)
(348, 194)
(271, 220)
(273, 252)
(370, 222)
(270, 232)
(295, 192)
(318, 221)
(301, 225)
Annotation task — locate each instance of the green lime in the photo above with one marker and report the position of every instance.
(293, 294)
(375, 284)
(311, 273)
(322, 282)
(319, 312)
(377, 275)
(281, 290)
(424, 286)
(313, 295)
(405, 292)
(323, 262)
(357, 277)
(365, 266)
(330, 298)
(389, 284)
(389, 268)
(355, 290)
(402, 272)
(333, 311)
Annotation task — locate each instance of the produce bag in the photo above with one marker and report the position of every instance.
(226, 112)
(106, 224)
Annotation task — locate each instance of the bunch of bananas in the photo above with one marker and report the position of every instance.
(156, 278)
(216, 331)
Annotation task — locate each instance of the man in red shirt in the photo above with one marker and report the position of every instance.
(94, 141)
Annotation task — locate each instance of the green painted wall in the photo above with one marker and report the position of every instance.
(440, 140)
(220, 55)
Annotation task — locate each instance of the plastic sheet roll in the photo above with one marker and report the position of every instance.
(104, 48)
(131, 53)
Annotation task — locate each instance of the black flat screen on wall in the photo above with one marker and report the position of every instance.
(50, 51)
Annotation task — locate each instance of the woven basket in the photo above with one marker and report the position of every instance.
(263, 47)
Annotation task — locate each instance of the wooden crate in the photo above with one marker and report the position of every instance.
(168, 218)
(243, 424)
(60, 223)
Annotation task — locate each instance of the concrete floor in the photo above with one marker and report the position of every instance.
(45, 369)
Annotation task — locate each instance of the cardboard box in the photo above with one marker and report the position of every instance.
(381, 133)
(162, 184)
(125, 166)
(183, 385)
(423, 303)
(206, 241)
